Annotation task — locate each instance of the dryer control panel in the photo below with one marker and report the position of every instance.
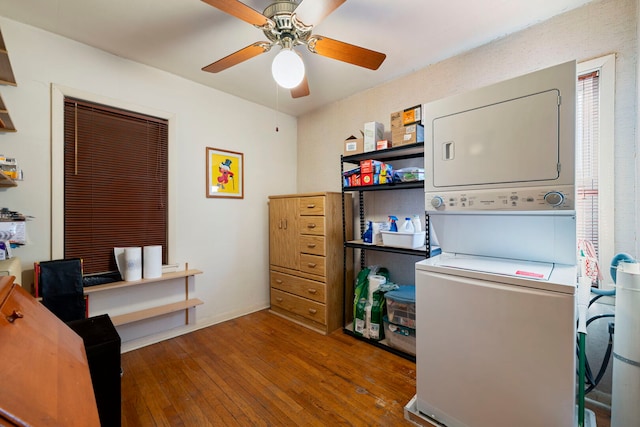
(514, 199)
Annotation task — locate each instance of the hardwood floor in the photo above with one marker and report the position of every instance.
(262, 370)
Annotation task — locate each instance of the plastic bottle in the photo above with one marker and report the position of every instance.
(417, 224)
(407, 227)
(367, 237)
(394, 226)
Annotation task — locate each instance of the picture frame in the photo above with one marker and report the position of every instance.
(224, 174)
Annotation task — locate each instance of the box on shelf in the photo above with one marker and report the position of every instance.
(401, 306)
(408, 116)
(374, 172)
(351, 178)
(408, 174)
(400, 337)
(353, 145)
(373, 132)
(412, 115)
(383, 144)
(396, 120)
(399, 239)
(410, 134)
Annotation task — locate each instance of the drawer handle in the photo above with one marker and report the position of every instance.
(313, 311)
(311, 226)
(15, 315)
(279, 281)
(311, 264)
(312, 291)
(279, 299)
(311, 245)
(311, 206)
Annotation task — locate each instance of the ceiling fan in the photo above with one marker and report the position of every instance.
(289, 24)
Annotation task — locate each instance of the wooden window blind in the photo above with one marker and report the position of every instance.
(587, 162)
(115, 183)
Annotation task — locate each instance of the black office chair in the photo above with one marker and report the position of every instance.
(59, 283)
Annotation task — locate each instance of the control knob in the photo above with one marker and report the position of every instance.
(437, 202)
(554, 198)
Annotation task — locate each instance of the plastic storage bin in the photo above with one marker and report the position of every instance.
(399, 239)
(408, 175)
(401, 306)
(400, 337)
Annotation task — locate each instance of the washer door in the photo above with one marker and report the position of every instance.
(493, 354)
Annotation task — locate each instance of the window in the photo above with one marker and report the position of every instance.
(115, 182)
(594, 159)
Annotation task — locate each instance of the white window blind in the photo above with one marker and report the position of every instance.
(587, 161)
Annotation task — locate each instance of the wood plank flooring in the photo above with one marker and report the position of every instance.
(262, 370)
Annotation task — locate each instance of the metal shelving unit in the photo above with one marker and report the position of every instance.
(395, 153)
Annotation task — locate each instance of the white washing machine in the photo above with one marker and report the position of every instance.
(495, 312)
(495, 342)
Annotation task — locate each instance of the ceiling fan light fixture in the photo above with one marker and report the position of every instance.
(287, 69)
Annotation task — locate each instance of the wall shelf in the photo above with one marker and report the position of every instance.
(6, 125)
(5, 181)
(6, 72)
(156, 311)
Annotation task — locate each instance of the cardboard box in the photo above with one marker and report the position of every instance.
(412, 115)
(373, 132)
(408, 135)
(353, 145)
(370, 166)
(396, 120)
(383, 144)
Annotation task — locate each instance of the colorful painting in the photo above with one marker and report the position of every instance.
(225, 174)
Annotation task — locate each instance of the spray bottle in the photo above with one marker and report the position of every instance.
(394, 226)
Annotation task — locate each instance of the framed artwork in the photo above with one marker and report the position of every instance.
(225, 174)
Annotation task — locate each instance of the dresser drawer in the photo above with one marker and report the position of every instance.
(298, 286)
(312, 245)
(312, 205)
(312, 225)
(301, 306)
(313, 264)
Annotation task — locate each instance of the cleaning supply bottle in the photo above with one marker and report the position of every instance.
(417, 224)
(367, 236)
(407, 227)
(394, 226)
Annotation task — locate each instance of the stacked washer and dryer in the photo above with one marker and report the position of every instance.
(495, 312)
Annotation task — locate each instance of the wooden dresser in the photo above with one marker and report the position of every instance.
(44, 374)
(306, 258)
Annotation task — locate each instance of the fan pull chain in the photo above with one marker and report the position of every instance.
(277, 105)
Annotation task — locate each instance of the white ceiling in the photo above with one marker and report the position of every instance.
(182, 36)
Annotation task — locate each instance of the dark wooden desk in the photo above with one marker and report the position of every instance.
(44, 375)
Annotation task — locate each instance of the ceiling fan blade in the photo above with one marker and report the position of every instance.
(311, 12)
(346, 52)
(239, 10)
(237, 57)
(301, 90)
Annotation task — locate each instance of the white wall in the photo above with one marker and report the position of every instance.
(226, 238)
